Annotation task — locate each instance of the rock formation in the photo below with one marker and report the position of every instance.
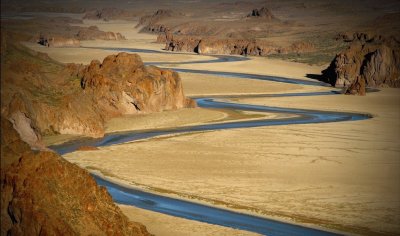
(84, 33)
(42, 97)
(109, 13)
(154, 28)
(93, 32)
(263, 12)
(183, 43)
(58, 41)
(357, 87)
(212, 45)
(141, 89)
(42, 194)
(157, 16)
(375, 59)
(235, 46)
(150, 23)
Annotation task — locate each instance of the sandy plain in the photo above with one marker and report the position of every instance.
(161, 224)
(342, 176)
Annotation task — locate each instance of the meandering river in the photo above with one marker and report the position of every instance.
(204, 213)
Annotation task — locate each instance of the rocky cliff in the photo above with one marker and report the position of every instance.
(84, 33)
(93, 32)
(213, 45)
(160, 14)
(42, 194)
(56, 31)
(109, 13)
(41, 97)
(374, 59)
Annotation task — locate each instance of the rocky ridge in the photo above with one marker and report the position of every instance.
(213, 45)
(93, 32)
(84, 33)
(150, 23)
(55, 31)
(42, 194)
(108, 13)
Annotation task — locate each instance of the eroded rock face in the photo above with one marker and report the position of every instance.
(154, 28)
(357, 87)
(375, 59)
(58, 41)
(151, 23)
(142, 89)
(210, 45)
(158, 15)
(43, 97)
(42, 194)
(84, 33)
(93, 32)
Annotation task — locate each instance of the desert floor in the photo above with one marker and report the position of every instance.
(342, 176)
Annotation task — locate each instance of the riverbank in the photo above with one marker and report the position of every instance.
(165, 225)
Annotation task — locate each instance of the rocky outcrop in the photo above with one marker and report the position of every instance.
(42, 194)
(154, 28)
(43, 97)
(151, 23)
(141, 89)
(58, 41)
(93, 32)
(157, 16)
(235, 46)
(210, 45)
(110, 13)
(263, 13)
(362, 37)
(84, 33)
(357, 87)
(375, 59)
(182, 43)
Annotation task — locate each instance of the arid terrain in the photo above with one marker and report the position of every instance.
(87, 69)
